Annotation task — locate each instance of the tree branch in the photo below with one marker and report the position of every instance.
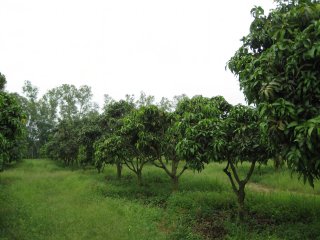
(132, 169)
(250, 172)
(182, 171)
(230, 178)
(234, 171)
(165, 168)
(142, 163)
(159, 166)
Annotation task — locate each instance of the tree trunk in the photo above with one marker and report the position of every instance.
(139, 177)
(241, 196)
(175, 183)
(119, 170)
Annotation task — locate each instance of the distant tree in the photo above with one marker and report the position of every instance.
(47, 119)
(110, 148)
(64, 142)
(84, 96)
(278, 68)
(165, 104)
(88, 132)
(145, 100)
(68, 101)
(3, 81)
(31, 93)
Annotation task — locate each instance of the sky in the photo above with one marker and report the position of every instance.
(163, 48)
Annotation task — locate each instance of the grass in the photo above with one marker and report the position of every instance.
(41, 200)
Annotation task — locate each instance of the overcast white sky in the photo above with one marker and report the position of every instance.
(119, 47)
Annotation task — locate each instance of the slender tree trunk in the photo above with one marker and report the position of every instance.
(119, 170)
(175, 183)
(241, 196)
(174, 177)
(238, 186)
(139, 177)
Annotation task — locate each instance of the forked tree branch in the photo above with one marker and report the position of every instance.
(230, 178)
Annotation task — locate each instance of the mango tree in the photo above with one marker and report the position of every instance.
(89, 131)
(169, 141)
(278, 69)
(177, 144)
(198, 123)
(142, 132)
(113, 150)
(237, 139)
(12, 122)
(110, 149)
(64, 143)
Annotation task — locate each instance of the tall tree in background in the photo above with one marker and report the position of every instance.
(3, 82)
(48, 117)
(31, 94)
(64, 144)
(65, 102)
(278, 68)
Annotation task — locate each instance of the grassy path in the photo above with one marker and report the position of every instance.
(39, 200)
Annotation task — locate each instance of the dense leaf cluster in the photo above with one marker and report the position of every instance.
(12, 121)
(278, 68)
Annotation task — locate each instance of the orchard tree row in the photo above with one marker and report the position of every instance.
(186, 133)
(132, 133)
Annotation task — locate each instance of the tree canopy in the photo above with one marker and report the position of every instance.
(278, 69)
(12, 121)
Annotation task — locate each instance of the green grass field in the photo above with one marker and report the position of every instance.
(41, 200)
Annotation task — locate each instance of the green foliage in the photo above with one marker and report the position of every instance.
(31, 107)
(65, 102)
(111, 148)
(240, 137)
(278, 69)
(142, 132)
(88, 132)
(64, 144)
(198, 124)
(12, 121)
(3, 81)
